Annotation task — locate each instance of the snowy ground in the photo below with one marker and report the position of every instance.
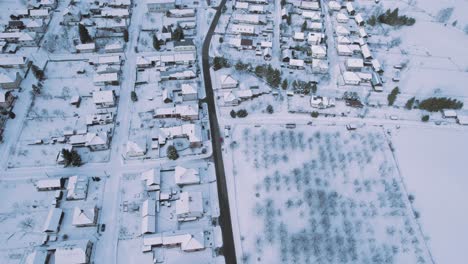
(320, 195)
(432, 162)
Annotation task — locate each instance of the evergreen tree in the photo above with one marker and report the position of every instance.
(84, 34)
(172, 153)
(156, 43)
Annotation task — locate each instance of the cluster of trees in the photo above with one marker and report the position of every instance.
(435, 104)
(240, 66)
(314, 114)
(409, 104)
(391, 18)
(84, 34)
(269, 74)
(240, 113)
(304, 87)
(71, 158)
(156, 43)
(219, 63)
(393, 95)
(177, 34)
(172, 153)
(38, 73)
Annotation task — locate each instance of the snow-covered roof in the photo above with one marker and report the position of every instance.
(242, 28)
(7, 77)
(115, 12)
(102, 97)
(354, 63)
(341, 30)
(72, 252)
(189, 203)
(296, 63)
(148, 224)
(39, 12)
(314, 16)
(53, 220)
(84, 217)
(341, 17)
(227, 80)
(299, 35)
(36, 257)
(148, 207)
(135, 148)
(185, 176)
(187, 239)
(152, 177)
(77, 187)
(188, 89)
(87, 46)
(351, 78)
(246, 18)
(318, 49)
(49, 184)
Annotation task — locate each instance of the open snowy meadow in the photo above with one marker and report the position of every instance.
(433, 162)
(320, 194)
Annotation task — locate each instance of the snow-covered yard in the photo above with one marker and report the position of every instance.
(318, 194)
(433, 162)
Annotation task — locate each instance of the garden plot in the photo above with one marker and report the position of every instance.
(134, 193)
(51, 114)
(321, 195)
(22, 218)
(433, 162)
(144, 127)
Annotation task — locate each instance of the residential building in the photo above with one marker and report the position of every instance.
(189, 206)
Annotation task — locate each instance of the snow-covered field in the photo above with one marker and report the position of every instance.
(318, 194)
(433, 164)
(22, 218)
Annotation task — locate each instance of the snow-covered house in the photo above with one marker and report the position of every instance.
(115, 13)
(334, 6)
(84, 217)
(85, 48)
(230, 99)
(319, 66)
(152, 179)
(37, 257)
(148, 216)
(113, 47)
(53, 220)
(10, 79)
(351, 78)
(343, 40)
(185, 12)
(227, 81)
(247, 19)
(350, 9)
(35, 25)
(366, 53)
(318, 51)
(17, 62)
(354, 64)
(321, 102)
(104, 99)
(344, 50)
(296, 64)
(192, 132)
(243, 29)
(39, 13)
(184, 45)
(160, 5)
(25, 39)
(135, 149)
(359, 20)
(342, 31)
(186, 176)
(362, 33)
(188, 240)
(342, 18)
(189, 206)
(312, 16)
(49, 184)
(310, 5)
(189, 92)
(77, 187)
(299, 36)
(73, 251)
